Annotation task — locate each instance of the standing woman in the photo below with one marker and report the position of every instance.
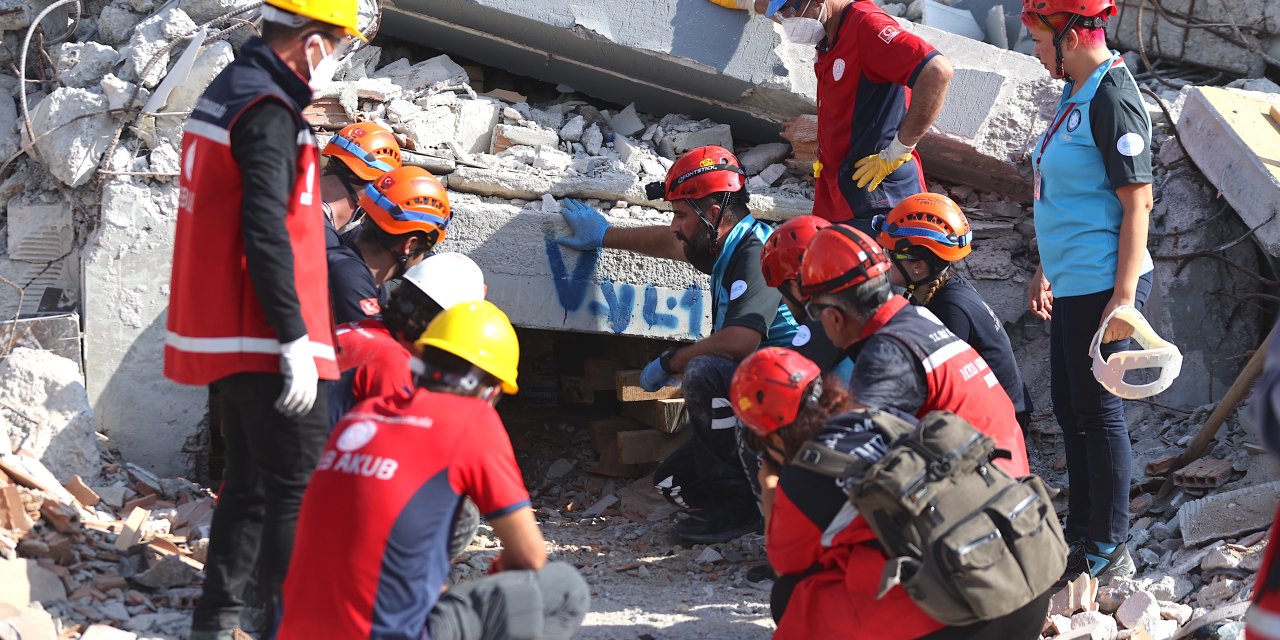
(1092, 190)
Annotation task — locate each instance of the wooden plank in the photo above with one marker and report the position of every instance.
(1275, 113)
(603, 437)
(132, 533)
(663, 415)
(638, 447)
(629, 390)
(599, 373)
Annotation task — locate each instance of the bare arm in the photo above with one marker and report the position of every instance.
(927, 97)
(522, 543)
(734, 343)
(657, 241)
(768, 477)
(1136, 200)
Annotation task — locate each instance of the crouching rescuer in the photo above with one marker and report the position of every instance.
(372, 554)
(713, 230)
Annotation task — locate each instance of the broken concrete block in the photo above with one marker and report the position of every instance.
(1217, 591)
(39, 232)
(755, 159)
(720, 135)
(440, 70)
(118, 92)
(506, 136)
(1139, 609)
(116, 22)
(104, 632)
(432, 127)
(147, 49)
(33, 623)
(206, 10)
(952, 20)
(1093, 625)
(1179, 613)
(56, 425)
(626, 122)
(1231, 137)
(71, 150)
(360, 64)
(9, 143)
(1162, 630)
(401, 110)
(16, 15)
(1114, 593)
(593, 140)
(22, 581)
(551, 160)
(83, 64)
(473, 128)
(170, 571)
(572, 130)
(1220, 558)
(1228, 515)
(1165, 37)
(708, 556)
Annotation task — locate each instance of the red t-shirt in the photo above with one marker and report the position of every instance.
(380, 362)
(371, 549)
(864, 77)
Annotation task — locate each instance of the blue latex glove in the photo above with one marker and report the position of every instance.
(588, 226)
(654, 377)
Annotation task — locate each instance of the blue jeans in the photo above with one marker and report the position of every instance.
(1099, 454)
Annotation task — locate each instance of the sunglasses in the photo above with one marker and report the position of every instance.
(814, 309)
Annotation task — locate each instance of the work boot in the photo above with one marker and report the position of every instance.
(712, 526)
(761, 571)
(1107, 561)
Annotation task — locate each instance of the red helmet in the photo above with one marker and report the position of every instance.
(1087, 8)
(783, 251)
(929, 221)
(840, 257)
(771, 386)
(702, 172)
(367, 148)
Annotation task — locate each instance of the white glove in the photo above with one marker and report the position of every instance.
(298, 366)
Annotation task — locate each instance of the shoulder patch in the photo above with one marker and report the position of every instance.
(837, 69)
(1131, 144)
(802, 337)
(888, 33)
(1073, 120)
(370, 306)
(736, 289)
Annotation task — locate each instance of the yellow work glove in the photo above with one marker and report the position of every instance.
(744, 5)
(870, 171)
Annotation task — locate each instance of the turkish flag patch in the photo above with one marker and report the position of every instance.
(370, 306)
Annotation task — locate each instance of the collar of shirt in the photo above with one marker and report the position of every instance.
(882, 315)
(1090, 86)
(263, 56)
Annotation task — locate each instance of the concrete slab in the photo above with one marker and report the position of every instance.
(542, 285)
(655, 53)
(126, 295)
(1165, 37)
(1227, 515)
(1234, 141)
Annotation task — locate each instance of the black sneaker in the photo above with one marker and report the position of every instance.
(712, 527)
(1076, 562)
(760, 572)
(1105, 566)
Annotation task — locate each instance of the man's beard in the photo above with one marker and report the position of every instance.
(698, 250)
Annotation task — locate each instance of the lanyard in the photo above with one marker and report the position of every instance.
(1044, 144)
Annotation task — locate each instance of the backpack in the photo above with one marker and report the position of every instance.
(965, 540)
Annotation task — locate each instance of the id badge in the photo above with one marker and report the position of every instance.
(1035, 182)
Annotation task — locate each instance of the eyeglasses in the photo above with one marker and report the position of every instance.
(814, 309)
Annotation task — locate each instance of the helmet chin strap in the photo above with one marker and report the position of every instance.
(713, 228)
(913, 284)
(1059, 36)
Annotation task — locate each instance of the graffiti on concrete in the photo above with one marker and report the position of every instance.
(621, 307)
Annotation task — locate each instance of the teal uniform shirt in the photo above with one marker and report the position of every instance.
(1098, 141)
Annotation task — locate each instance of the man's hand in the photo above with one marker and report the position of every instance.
(1117, 329)
(654, 376)
(870, 171)
(588, 226)
(1040, 299)
(298, 367)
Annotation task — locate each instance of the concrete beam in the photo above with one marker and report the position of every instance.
(1164, 36)
(693, 57)
(1236, 143)
(542, 285)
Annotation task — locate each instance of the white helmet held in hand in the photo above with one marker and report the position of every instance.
(1156, 353)
(448, 279)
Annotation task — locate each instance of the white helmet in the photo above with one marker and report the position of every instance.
(448, 279)
(1156, 353)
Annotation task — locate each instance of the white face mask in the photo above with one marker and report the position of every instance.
(804, 31)
(322, 72)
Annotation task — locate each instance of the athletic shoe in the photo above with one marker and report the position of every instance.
(1108, 561)
(1076, 562)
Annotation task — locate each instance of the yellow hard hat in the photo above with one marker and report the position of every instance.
(342, 13)
(480, 333)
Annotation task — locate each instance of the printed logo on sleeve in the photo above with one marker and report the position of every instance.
(802, 337)
(370, 306)
(738, 288)
(1131, 144)
(888, 33)
(356, 435)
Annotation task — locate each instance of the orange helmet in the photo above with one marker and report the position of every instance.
(770, 388)
(366, 148)
(928, 221)
(840, 257)
(702, 172)
(783, 251)
(405, 200)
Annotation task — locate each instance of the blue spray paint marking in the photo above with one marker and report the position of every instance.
(692, 300)
(651, 314)
(570, 290)
(621, 299)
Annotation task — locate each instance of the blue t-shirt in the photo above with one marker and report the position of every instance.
(1100, 141)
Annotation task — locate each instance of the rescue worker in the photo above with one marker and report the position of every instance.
(906, 359)
(399, 467)
(249, 307)
(1092, 196)
(880, 88)
(923, 236)
(357, 155)
(1263, 620)
(827, 556)
(405, 215)
(713, 230)
(373, 355)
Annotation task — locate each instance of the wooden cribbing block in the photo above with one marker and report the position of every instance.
(599, 373)
(603, 437)
(663, 415)
(629, 390)
(132, 533)
(639, 447)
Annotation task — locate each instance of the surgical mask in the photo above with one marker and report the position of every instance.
(322, 72)
(804, 31)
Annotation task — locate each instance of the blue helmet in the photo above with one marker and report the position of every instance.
(778, 5)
